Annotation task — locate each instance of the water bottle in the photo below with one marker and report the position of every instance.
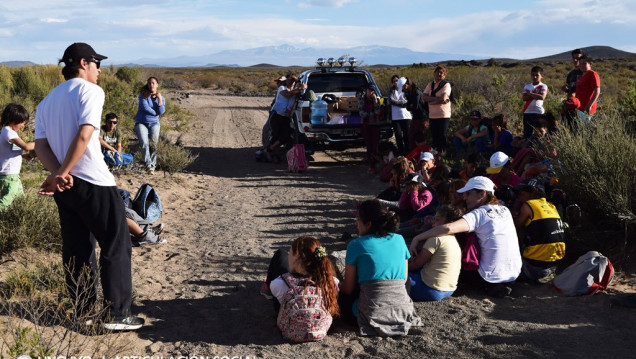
(318, 112)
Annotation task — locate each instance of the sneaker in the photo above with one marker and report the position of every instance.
(547, 279)
(124, 323)
(148, 238)
(158, 229)
(265, 292)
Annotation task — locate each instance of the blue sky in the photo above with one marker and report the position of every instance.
(123, 30)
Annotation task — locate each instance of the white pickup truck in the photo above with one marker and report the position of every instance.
(343, 124)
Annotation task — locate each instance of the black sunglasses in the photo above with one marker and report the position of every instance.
(98, 63)
(113, 122)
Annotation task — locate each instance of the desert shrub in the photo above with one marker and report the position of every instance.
(30, 221)
(597, 166)
(173, 158)
(130, 75)
(36, 278)
(627, 102)
(176, 118)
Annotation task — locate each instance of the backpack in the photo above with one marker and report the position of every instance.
(590, 274)
(296, 160)
(302, 316)
(443, 83)
(147, 203)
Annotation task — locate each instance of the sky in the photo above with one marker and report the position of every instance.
(126, 30)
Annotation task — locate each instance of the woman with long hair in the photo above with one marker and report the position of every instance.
(151, 105)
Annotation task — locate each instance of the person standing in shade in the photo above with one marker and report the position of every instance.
(67, 125)
(437, 95)
(151, 105)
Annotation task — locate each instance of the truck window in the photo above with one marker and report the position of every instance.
(336, 82)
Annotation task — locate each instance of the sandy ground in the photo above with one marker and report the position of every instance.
(225, 216)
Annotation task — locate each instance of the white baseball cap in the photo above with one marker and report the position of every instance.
(497, 161)
(478, 182)
(426, 156)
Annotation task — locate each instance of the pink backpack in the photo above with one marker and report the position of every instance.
(302, 316)
(296, 160)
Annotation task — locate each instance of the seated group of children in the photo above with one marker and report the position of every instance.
(481, 226)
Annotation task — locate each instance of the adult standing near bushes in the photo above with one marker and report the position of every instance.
(400, 116)
(437, 95)
(67, 125)
(151, 105)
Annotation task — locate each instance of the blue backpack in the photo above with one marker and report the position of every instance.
(147, 203)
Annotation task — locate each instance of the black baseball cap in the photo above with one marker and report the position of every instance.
(475, 114)
(79, 50)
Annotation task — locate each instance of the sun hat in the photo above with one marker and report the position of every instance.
(282, 78)
(426, 156)
(478, 182)
(497, 161)
(78, 51)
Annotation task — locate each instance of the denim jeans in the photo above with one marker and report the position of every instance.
(148, 135)
(421, 292)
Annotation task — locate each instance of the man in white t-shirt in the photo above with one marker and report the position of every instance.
(67, 126)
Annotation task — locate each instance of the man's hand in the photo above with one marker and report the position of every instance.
(54, 183)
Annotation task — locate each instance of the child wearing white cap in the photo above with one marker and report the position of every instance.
(500, 170)
(500, 261)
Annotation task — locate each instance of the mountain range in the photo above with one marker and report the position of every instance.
(288, 55)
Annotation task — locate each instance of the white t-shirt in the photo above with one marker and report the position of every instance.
(278, 287)
(10, 154)
(500, 258)
(58, 117)
(536, 106)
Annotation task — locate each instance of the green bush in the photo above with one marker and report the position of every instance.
(173, 158)
(40, 277)
(30, 221)
(597, 166)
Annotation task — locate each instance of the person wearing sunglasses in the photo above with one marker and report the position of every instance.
(89, 205)
(110, 139)
(109, 135)
(151, 105)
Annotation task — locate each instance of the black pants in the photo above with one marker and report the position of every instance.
(278, 265)
(87, 210)
(530, 122)
(401, 129)
(281, 128)
(439, 128)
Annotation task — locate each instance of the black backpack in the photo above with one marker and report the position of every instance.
(443, 83)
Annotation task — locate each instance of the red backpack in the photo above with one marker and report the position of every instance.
(302, 316)
(590, 274)
(296, 160)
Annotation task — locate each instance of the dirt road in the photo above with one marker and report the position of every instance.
(227, 215)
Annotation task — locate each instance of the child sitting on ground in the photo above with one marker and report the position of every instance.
(472, 138)
(14, 117)
(306, 264)
(414, 198)
(434, 273)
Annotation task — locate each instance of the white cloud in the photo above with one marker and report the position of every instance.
(325, 3)
(53, 20)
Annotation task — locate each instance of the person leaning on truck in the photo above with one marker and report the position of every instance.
(283, 108)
